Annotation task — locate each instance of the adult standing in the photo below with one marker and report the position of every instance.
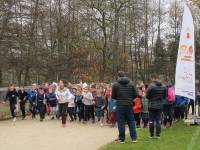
(124, 92)
(64, 96)
(156, 94)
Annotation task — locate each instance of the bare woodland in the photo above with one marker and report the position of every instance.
(90, 40)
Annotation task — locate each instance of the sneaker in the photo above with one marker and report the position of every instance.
(151, 137)
(158, 137)
(101, 124)
(121, 142)
(134, 141)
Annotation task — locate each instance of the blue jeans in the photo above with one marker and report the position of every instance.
(125, 114)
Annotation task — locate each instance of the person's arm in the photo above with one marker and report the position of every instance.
(70, 96)
(148, 93)
(165, 94)
(91, 97)
(6, 97)
(114, 91)
(56, 93)
(17, 95)
(34, 99)
(135, 93)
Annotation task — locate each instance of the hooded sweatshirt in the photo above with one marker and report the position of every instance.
(124, 92)
(63, 95)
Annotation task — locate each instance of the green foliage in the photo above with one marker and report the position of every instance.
(178, 138)
(161, 58)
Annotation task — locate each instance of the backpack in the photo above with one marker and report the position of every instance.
(171, 97)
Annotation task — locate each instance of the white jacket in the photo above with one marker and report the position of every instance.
(64, 95)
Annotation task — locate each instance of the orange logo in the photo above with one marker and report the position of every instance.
(188, 35)
(186, 53)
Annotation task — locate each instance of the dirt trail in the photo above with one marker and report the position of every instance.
(48, 135)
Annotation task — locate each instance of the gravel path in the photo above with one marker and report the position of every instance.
(48, 135)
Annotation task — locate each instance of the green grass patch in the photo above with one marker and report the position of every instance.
(177, 138)
(5, 111)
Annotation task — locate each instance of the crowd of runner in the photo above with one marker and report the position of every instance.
(94, 102)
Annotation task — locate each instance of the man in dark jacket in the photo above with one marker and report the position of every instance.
(156, 95)
(124, 92)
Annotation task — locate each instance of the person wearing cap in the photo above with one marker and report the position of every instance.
(88, 102)
(124, 92)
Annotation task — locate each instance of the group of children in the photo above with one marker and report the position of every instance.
(81, 102)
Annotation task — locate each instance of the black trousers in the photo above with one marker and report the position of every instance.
(23, 109)
(155, 118)
(42, 111)
(71, 112)
(137, 118)
(168, 114)
(191, 104)
(13, 110)
(89, 112)
(179, 112)
(63, 112)
(33, 110)
(81, 112)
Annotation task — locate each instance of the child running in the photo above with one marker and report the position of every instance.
(12, 96)
(100, 105)
(40, 101)
(63, 95)
(80, 105)
(23, 97)
(112, 111)
(88, 103)
(145, 107)
(52, 101)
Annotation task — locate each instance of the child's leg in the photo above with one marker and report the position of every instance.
(85, 113)
(101, 117)
(33, 111)
(12, 110)
(71, 113)
(22, 107)
(64, 113)
(91, 111)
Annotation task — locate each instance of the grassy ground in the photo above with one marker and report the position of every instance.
(180, 137)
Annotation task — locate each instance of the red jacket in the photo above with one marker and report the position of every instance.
(137, 106)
